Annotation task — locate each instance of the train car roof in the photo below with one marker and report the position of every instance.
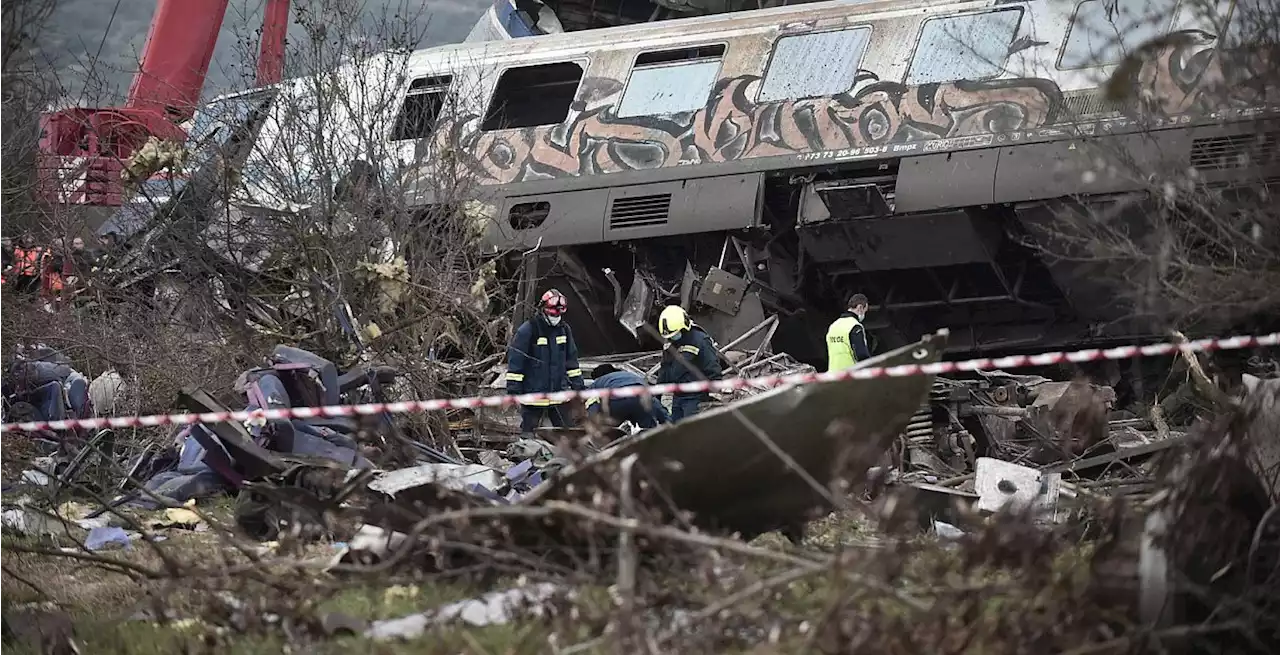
(670, 32)
(656, 34)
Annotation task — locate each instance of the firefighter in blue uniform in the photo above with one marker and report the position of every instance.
(688, 357)
(543, 358)
(625, 409)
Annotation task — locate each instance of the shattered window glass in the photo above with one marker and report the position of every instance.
(809, 65)
(1104, 31)
(670, 87)
(968, 47)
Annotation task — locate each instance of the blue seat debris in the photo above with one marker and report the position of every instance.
(219, 458)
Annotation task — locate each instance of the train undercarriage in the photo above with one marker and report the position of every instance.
(995, 275)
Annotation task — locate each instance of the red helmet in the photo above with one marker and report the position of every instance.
(553, 303)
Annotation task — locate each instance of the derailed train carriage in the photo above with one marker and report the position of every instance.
(777, 160)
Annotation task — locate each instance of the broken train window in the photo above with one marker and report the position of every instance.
(965, 47)
(671, 81)
(422, 106)
(529, 96)
(811, 65)
(1103, 31)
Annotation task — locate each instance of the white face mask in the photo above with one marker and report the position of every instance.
(553, 320)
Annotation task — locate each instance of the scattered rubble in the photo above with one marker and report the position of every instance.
(967, 450)
(493, 608)
(1027, 432)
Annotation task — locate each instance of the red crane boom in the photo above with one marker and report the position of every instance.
(83, 150)
(176, 58)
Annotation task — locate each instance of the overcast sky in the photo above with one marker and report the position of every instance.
(79, 28)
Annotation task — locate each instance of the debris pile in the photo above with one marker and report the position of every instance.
(970, 428)
(966, 452)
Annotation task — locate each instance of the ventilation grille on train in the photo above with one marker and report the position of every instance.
(1236, 151)
(1088, 104)
(640, 211)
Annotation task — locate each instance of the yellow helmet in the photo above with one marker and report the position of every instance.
(672, 321)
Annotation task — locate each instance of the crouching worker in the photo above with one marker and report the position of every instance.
(543, 358)
(644, 412)
(688, 357)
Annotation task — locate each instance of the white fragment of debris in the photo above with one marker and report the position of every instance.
(38, 478)
(36, 523)
(15, 519)
(450, 476)
(105, 537)
(368, 540)
(1001, 485)
(105, 391)
(947, 531)
(493, 608)
(95, 522)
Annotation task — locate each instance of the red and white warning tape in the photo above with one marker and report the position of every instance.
(415, 406)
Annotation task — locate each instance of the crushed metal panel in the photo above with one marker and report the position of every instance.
(726, 329)
(253, 460)
(715, 468)
(635, 308)
(722, 290)
(686, 285)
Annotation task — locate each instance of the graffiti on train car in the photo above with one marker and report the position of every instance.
(881, 116)
(732, 127)
(1186, 76)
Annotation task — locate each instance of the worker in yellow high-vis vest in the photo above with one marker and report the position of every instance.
(846, 338)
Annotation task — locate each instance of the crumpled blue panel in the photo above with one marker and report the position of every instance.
(297, 436)
(77, 387)
(180, 487)
(306, 444)
(47, 398)
(32, 374)
(328, 434)
(191, 457)
(328, 372)
(267, 391)
(272, 390)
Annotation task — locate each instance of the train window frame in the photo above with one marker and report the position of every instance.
(431, 86)
(528, 215)
(1071, 28)
(489, 114)
(915, 50)
(636, 65)
(773, 53)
